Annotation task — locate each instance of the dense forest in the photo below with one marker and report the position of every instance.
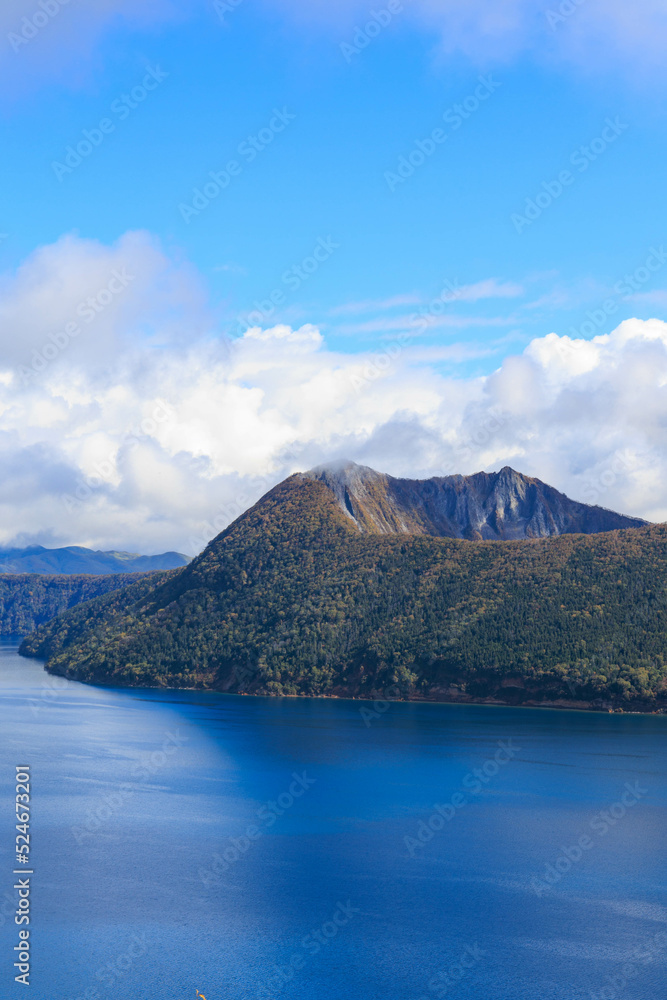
(293, 599)
(28, 600)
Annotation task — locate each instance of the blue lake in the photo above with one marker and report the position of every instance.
(254, 849)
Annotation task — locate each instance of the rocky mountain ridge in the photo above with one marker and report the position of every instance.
(496, 506)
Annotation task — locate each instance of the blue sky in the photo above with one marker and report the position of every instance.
(435, 244)
(324, 175)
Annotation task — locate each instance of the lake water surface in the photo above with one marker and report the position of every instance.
(160, 869)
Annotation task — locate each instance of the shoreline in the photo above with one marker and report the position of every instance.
(555, 704)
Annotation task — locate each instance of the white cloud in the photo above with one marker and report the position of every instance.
(658, 297)
(163, 434)
(414, 322)
(613, 31)
(430, 314)
(79, 300)
(376, 305)
(490, 288)
(593, 34)
(57, 40)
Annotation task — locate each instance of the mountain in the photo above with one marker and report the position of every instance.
(491, 506)
(301, 595)
(76, 559)
(27, 601)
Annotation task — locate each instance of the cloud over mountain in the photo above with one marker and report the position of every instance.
(147, 432)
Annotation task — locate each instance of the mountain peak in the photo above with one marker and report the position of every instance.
(484, 506)
(507, 472)
(342, 470)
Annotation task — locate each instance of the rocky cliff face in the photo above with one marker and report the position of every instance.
(499, 505)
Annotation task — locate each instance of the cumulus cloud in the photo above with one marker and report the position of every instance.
(153, 434)
(79, 300)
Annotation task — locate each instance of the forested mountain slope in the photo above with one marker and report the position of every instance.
(29, 600)
(294, 598)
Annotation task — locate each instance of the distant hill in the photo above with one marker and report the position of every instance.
(503, 505)
(27, 601)
(334, 584)
(76, 559)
